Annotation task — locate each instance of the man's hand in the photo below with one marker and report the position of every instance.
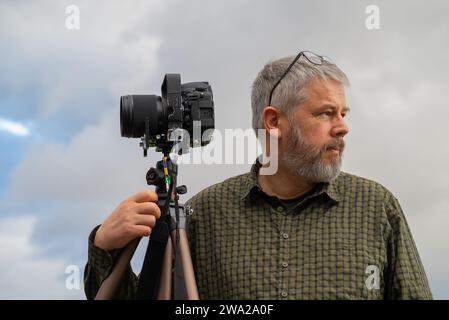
(134, 217)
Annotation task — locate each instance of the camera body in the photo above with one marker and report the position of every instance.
(162, 121)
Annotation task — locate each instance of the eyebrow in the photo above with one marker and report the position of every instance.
(327, 105)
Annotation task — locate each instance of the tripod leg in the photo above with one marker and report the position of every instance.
(110, 285)
(185, 285)
(164, 292)
(152, 265)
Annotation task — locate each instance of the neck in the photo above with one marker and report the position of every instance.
(284, 184)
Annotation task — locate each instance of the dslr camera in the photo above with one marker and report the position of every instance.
(171, 119)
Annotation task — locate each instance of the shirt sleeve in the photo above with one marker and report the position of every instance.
(405, 276)
(98, 268)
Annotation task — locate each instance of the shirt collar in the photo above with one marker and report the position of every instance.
(328, 188)
(251, 180)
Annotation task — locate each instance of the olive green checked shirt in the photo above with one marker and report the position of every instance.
(346, 239)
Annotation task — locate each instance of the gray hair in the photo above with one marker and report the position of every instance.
(291, 90)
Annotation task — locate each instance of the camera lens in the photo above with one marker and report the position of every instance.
(126, 116)
(135, 109)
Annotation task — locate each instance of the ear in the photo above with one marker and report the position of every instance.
(271, 121)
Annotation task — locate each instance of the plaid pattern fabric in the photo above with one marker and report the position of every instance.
(347, 239)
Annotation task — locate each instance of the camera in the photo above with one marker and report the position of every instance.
(172, 118)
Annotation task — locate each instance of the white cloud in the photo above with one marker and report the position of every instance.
(25, 272)
(75, 70)
(12, 127)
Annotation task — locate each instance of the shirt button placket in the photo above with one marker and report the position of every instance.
(283, 257)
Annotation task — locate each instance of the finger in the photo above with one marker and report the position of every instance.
(141, 231)
(148, 208)
(144, 196)
(145, 220)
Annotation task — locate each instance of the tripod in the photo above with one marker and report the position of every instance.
(167, 271)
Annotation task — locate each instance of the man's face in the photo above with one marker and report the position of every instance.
(314, 140)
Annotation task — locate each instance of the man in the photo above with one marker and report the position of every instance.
(308, 231)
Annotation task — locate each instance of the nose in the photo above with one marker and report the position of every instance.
(340, 128)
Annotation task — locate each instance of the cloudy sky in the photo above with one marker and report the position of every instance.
(64, 166)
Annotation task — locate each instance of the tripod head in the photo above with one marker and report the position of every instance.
(164, 178)
(156, 177)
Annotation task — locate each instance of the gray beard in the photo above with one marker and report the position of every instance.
(305, 160)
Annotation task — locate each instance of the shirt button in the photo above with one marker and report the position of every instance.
(280, 209)
(284, 294)
(285, 264)
(285, 235)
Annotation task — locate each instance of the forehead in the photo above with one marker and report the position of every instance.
(320, 92)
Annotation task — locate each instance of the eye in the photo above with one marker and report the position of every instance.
(327, 113)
